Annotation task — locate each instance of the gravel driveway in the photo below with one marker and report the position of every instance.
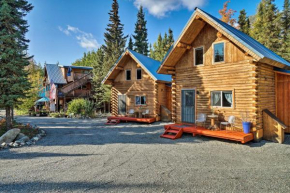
(87, 156)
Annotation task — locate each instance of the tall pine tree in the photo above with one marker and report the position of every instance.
(140, 33)
(266, 28)
(130, 44)
(13, 57)
(284, 50)
(115, 41)
(244, 22)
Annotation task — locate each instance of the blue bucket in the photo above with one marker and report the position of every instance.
(247, 127)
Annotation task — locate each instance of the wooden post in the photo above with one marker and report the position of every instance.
(173, 91)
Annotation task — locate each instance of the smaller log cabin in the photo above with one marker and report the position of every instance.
(71, 82)
(136, 85)
(218, 68)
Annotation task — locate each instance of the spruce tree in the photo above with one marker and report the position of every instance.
(244, 22)
(131, 44)
(284, 50)
(140, 33)
(170, 38)
(266, 28)
(13, 57)
(161, 46)
(115, 40)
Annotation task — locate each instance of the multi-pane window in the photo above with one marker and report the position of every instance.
(222, 98)
(128, 74)
(198, 55)
(219, 52)
(139, 73)
(140, 100)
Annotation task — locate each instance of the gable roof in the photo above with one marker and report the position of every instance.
(54, 73)
(148, 64)
(250, 45)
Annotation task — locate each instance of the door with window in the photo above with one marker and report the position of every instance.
(188, 106)
(122, 104)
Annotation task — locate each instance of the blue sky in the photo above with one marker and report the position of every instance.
(62, 30)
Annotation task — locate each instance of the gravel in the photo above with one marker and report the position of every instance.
(87, 156)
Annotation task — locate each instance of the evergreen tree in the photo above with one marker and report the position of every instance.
(115, 41)
(284, 50)
(244, 22)
(131, 44)
(266, 28)
(13, 57)
(161, 46)
(140, 34)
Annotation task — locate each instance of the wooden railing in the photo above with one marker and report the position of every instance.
(273, 127)
(79, 93)
(76, 84)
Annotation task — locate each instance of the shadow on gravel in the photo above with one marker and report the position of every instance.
(41, 186)
(14, 155)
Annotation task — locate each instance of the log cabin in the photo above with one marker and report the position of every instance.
(137, 86)
(216, 67)
(70, 82)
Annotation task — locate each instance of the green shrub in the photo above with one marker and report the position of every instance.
(81, 107)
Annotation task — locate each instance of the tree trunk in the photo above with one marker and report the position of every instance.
(12, 113)
(8, 118)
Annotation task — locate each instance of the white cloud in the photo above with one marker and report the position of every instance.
(159, 8)
(85, 40)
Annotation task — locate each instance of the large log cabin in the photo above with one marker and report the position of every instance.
(136, 85)
(70, 81)
(216, 67)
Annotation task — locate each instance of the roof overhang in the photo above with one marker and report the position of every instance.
(193, 27)
(118, 66)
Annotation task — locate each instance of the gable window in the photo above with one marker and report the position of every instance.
(139, 74)
(222, 98)
(198, 56)
(140, 100)
(128, 74)
(219, 52)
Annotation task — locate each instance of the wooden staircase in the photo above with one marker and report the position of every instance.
(76, 84)
(172, 133)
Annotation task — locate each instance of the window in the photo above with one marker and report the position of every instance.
(128, 74)
(219, 55)
(198, 56)
(140, 100)
(222, 98)
(139, 74)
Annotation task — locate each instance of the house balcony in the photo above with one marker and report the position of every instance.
(78, 93)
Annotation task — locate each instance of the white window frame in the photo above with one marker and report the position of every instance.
(194, 56)
(140, 100)
(137, 73)
(221, 91)
(126, 75)
(213, 54)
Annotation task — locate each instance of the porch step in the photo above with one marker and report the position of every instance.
(171, 133)
(113, 121)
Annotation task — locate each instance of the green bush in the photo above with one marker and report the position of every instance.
(81, 107)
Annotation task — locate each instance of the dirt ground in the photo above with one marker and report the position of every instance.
(88, 156)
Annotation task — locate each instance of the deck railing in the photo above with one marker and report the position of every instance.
(76, 84)
(273, 127)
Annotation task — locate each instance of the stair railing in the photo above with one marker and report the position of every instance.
(75, 84)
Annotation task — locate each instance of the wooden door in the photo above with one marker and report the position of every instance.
(122, 104)
(188, 106)
(283, 99)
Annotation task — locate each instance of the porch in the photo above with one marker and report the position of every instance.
(175, 131)
(118, 119)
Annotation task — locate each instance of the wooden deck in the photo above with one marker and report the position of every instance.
(133, 119)
(222, 134)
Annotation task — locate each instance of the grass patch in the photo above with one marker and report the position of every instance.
(27, 130)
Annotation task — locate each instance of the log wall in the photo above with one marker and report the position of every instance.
(144, 87)
(237, 73)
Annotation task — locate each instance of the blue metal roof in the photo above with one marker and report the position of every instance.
(246, 40)
(151, 65)
(55, 74)
(282, 70)
(79, 67)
